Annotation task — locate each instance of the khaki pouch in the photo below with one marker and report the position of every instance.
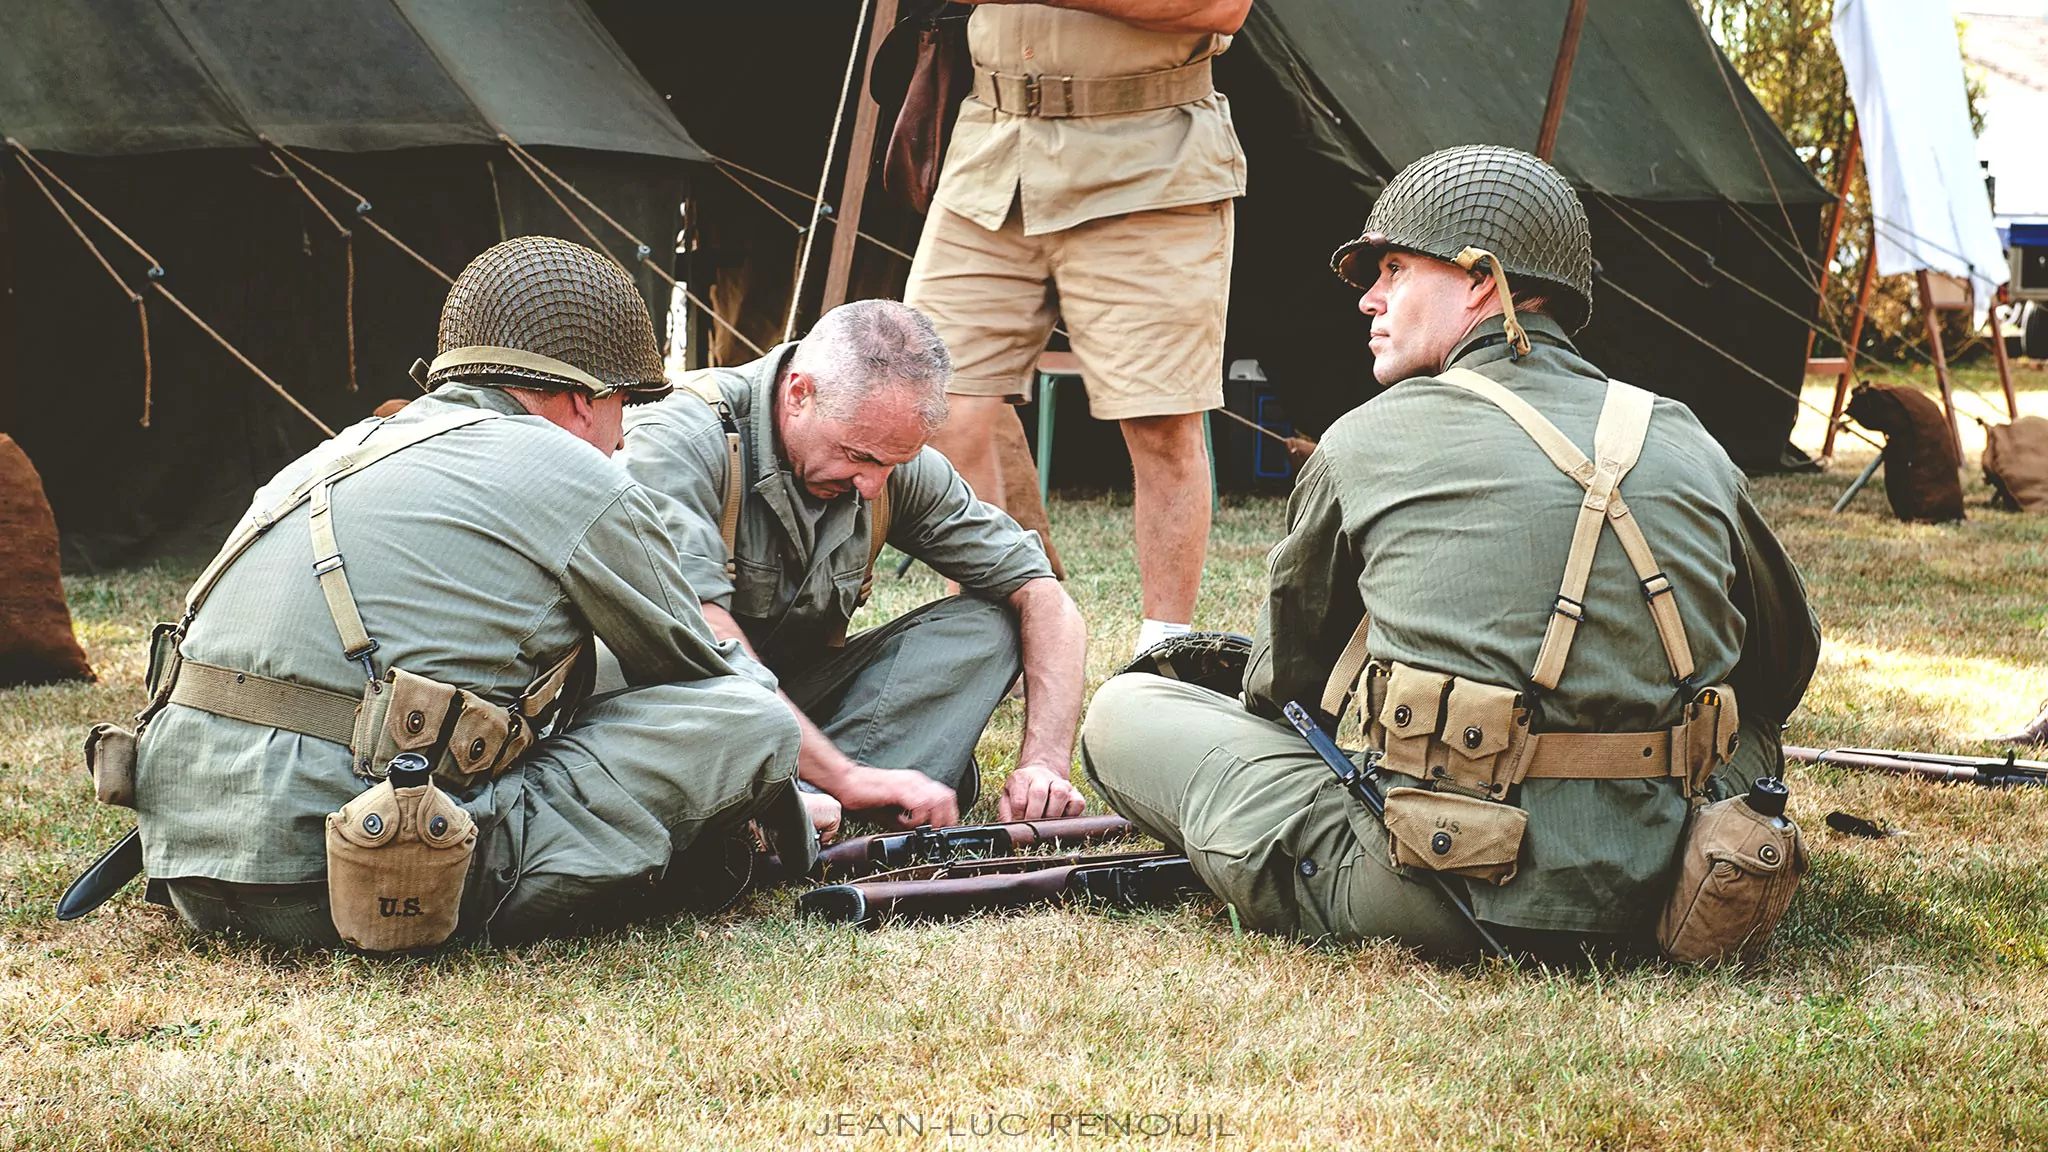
(1446, 832)
(110, 760)
(1736, 874)
(1708, 735)
(397, 861)
(1482, 728)
(408, 713)
(1409, 716)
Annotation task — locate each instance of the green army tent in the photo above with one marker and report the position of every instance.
(200, 129)
(1706, 224)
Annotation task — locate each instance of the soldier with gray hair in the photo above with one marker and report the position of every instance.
(789, 475)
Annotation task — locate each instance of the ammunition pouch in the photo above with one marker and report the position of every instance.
(1470, 743)
(465, 737)
(1736, 873)
(397, 862)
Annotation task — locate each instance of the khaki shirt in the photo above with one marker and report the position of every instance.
(800, 560)
(1069, 171)
(1433, 510)
(478, 558)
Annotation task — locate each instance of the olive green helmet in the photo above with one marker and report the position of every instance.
(1500, 201)
(539, 312)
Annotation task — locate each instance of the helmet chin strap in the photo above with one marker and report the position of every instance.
(1518, 340)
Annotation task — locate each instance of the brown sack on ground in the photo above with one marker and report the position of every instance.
(2016, 463)
(36, 641)
(1922, 473)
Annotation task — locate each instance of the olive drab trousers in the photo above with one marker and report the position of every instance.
(1259, 815)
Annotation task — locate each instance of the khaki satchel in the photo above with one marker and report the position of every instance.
(923, 70)
(2016, 464)
(1736, 873)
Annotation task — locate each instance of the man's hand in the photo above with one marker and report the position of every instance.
(825, 815)
(1035, 792)
(901, 796)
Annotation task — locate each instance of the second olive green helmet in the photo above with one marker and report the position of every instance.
(539, 312)
(1501, 201)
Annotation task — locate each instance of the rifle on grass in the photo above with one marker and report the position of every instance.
(1984, 771)
(865, 855)
(934, 891)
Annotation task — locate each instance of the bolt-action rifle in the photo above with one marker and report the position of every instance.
(932, 891)
(865, 855)
(2007, 771)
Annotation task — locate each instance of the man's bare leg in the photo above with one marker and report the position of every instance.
(1170, 483)
(968, 440)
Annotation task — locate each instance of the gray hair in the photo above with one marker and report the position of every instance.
(860, 347)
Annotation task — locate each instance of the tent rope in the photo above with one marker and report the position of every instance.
(1723, 67)
(722, 165)
(848, 94)
(1830, 330)
(348, 249)
(134, 297)
(1731, 357)
(362, 209)
(644, 251)
(156, 274)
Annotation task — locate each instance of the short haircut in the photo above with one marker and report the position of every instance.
(860, 347)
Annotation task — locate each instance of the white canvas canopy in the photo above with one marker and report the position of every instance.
(1905, 71)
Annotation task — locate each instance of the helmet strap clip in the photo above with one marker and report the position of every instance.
(1518, 339)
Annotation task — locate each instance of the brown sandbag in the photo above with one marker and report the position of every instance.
(2016, 463)
(1922, 472)
(37, 644)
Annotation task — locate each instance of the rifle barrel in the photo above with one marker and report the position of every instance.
(1984, 770)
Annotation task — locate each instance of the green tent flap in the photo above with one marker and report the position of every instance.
(1647, 115)
(124, 77)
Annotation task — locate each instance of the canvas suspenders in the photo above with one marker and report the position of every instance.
(1618, 443)
(703, 387)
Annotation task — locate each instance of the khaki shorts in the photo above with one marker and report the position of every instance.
(1144, 296)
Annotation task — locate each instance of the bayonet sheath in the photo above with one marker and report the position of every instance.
(106, 876)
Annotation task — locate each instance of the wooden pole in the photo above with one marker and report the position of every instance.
(819, 207)
(1848, 374)
(1561, 78)
(1933, 321)
(2012, 404)
(1850, 153)
(860, 157)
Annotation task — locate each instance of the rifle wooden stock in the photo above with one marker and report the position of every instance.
(866, 855)
(1983, 771)
(1127, 879)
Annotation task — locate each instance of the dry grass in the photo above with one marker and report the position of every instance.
(1903, 1009)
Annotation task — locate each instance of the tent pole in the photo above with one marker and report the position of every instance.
(1933, 321)
(1560, 79)
(2012, 404)
(1848, 375)
(860, 156)
(1850, 153)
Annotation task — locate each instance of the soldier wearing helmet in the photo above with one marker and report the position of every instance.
(1542, 737)
(463, 553)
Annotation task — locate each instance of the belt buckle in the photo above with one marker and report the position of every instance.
(1034, 95)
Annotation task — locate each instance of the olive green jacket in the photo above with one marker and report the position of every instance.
(478, 558)
(1431, 509)
(800, 561)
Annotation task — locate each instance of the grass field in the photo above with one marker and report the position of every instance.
(1903, 1006)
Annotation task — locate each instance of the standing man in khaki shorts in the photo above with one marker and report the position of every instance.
(1091, 176)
